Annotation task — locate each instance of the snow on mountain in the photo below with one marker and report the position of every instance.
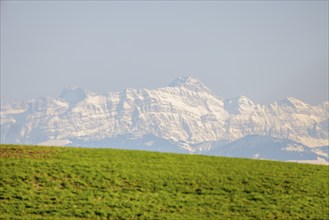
(185, 112)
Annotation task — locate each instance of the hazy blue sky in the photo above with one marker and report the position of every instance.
(265, 50)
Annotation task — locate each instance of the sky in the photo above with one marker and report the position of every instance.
(266, 50)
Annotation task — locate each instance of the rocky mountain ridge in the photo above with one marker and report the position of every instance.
(185, 112)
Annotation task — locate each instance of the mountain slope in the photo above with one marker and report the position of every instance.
(267, 147)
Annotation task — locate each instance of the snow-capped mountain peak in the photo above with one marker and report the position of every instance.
(292, 102)
(74, 94)
(190, 83)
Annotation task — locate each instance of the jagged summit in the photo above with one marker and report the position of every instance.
(240, 99)
(190, 83)
(293, 103)
(74, 94)
(238, 104)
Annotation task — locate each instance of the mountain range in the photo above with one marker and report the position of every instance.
(183, 117)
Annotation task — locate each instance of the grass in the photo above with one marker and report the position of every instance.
(78, 183)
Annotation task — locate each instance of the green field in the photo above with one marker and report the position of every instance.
(73, 183)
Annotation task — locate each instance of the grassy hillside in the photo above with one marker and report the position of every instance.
(72, 183)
